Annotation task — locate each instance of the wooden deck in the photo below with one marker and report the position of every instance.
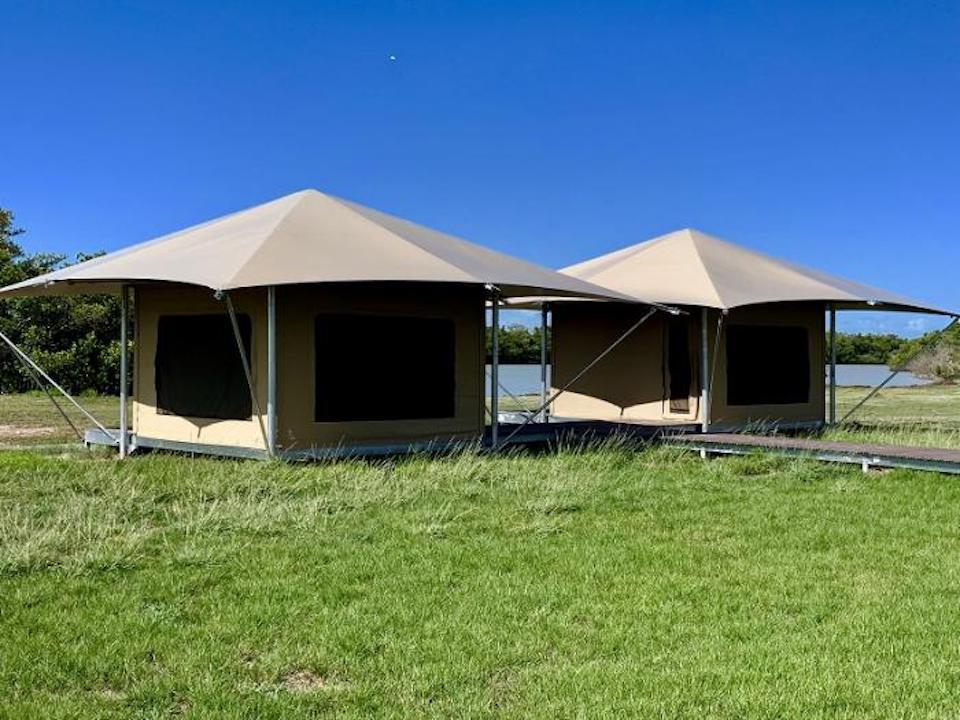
(866, 455)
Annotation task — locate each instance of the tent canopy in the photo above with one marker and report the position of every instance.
(688, 267)
(307, 237)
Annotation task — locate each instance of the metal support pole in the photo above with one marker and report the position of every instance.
(544, 385)
(124, 353)
(705, 371)
(29, 361)
(46, 391)
(833, 364)
(494, 367)
(891, 376)
(272, 369)
(246, 371)
(609, 349)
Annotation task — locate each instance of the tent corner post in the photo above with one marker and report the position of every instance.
(494, 368)
(124, 440)
(832, 416)
(272, 370)
(544, 384)
(705, 373)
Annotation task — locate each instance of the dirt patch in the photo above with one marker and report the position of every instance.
(304, 681)
(14, 432)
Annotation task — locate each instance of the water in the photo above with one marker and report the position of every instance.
(873, 375)
(525, 379)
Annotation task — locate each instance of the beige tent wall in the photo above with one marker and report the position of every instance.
(628, 384)
(152, 301)
(297, 308)
(808, 315)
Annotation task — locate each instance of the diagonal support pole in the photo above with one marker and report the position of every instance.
(892, 375)
(267, 445)
(46, 390)
(26, 359)
(570, 383)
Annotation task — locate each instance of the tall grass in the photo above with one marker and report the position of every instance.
(582, 583)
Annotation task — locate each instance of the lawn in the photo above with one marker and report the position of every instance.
(31, 419)
(599, 582)
(590, 583)
(927, 415)
(579, 584)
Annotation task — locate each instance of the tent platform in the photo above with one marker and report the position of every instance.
(560, 432)
(867, 456)
(534, 434)
(570, 430)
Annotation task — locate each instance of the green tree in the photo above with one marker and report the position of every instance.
(519, 345)
(867, 349)
(76, 339)
(935, 355)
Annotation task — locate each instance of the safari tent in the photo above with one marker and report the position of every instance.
(750, 348)
(305, 325)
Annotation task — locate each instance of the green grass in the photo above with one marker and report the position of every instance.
(31, 419)
(921, 416)
(600, 583)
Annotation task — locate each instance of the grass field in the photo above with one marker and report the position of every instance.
(594, 583)
(921, 416)
(600, 583)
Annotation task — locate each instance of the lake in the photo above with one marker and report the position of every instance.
(525, 379)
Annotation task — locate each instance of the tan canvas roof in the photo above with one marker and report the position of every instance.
(689, 267)
(307, 237)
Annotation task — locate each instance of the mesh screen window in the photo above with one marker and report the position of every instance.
(767, 365)
(376, 367)
(198, 369)
(679, 371)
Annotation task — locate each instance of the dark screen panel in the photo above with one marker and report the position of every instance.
(679, 364)
(377, 367)
(198, 368)
(767, 365)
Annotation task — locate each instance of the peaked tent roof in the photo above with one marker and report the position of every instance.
(306, 237)
(688, 267)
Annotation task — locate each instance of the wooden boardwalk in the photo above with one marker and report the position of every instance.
(866, 455)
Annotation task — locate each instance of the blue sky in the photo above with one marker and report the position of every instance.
(824, 133)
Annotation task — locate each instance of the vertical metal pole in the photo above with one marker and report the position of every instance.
(124, 352)
(705, 370)
(833, 364)
(544, 385)
(272, 369)
(494, 368)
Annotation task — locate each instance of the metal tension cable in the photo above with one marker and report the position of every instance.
(896, 372)
(31, 364)
(576, 377)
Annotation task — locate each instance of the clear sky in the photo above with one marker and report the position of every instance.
(826, 133)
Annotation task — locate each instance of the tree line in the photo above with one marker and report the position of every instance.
(75, 339)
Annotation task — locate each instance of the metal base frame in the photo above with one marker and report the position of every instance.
(865, 461)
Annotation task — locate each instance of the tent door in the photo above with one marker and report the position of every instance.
(679, 391)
